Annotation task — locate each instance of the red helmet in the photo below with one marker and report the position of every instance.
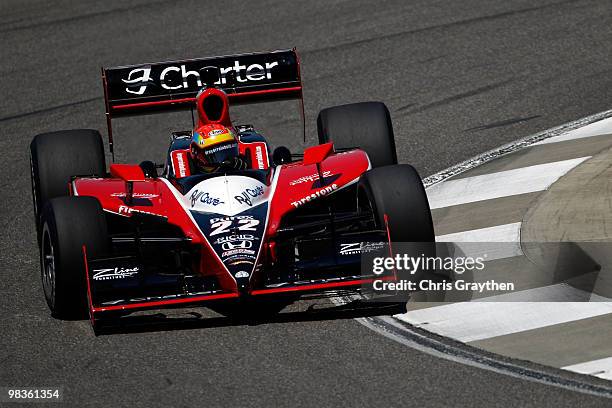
(213, 144)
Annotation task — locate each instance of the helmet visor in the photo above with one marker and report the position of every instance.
(214, 155)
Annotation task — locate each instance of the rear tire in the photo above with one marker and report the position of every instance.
(57, 156)
(366, 125)
(68, 223)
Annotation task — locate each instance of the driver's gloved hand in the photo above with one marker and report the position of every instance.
(235, 163)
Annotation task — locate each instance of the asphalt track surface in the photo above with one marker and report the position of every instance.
(459, 78)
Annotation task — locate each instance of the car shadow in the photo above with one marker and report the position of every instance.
(193, 320)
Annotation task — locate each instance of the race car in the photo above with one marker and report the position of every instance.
(148, 236)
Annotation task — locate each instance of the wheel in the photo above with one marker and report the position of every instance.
(68, 223)
(399, 204)
(366, 125)
(398, 192)
(57, 156)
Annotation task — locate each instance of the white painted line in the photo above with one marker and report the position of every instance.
(512, 147)
(499, 233)
(439, 178)
(603, 127)
(599, 368)
(471, 321)
(559, 292)
(499, 242)
(392, 329)
(500, 184)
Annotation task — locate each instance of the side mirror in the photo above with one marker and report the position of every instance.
(149, 169)
(281, 155)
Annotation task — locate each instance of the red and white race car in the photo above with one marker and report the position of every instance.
(127, 238)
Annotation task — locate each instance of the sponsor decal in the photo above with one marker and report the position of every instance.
(178, 77)
(248, 194)
(234, 238)
(123, 209)
(220, 148)
(204, 197)
(216, 132)
(319, 193)
(134, 80)
(237, 251)
(311, 178)
(114, 273)
(136, 195)
(356, 248)
(179, 164)
(242, 274)
(240, 260)
(225, 225)
(350, 249)
(237, 244)
(259, 157)
(231, 218)
(180, 160)
(216, 135)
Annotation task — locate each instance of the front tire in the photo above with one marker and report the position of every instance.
(366, 125)
(398, 192)
(399, 205)
(68, 224)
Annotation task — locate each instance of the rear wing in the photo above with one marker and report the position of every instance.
(173, 85)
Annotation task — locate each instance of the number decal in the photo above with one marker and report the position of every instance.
(248, 225)
(220, 227)
(223, 226)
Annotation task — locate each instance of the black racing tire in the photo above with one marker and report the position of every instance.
(68, 223)
(397, 194)
(366, 125)
(57, 156)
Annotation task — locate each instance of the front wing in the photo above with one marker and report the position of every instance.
(116, 286)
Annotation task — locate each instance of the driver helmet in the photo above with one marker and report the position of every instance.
(211, 145)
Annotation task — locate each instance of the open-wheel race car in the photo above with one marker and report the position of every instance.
(225, 219)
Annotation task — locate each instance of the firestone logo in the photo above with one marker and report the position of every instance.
(322, 192)
(178, 77)
(125, 210)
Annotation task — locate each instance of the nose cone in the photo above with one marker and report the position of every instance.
(231, 212)
(242, 279)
